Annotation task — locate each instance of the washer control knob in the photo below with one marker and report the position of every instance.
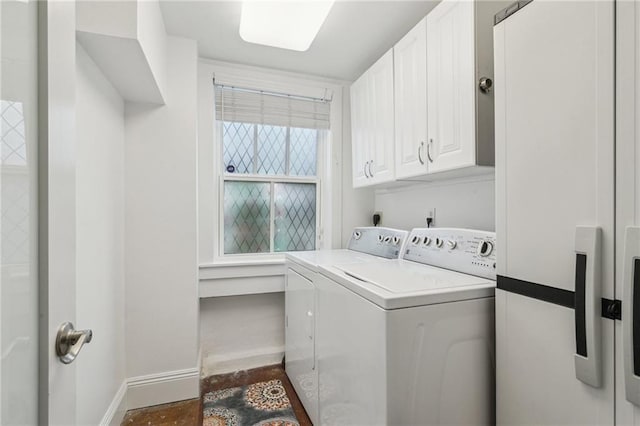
(357, 235)
(387, 239)
(396, 240)
(426, 241)
(439, 242)
(451, 244)
(380, 238)
(485, 248)
(415, 240)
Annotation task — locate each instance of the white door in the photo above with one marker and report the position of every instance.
(451, 86)
(410, 86)
(627, 210)
(555, 172)
(381, 140)
(38, 190)
(57, 208)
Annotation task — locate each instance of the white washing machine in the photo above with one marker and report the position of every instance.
(410, 341)
(366, 244)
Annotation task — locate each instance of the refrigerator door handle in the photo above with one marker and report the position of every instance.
(631, 315)
(588, 305)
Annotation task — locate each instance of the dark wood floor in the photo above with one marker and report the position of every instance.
(187, 413)
(183, 413)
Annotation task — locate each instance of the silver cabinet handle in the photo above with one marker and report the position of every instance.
(588, 305)
(631, 314)
(69, 342)
(429, 150)
(420, 148)
(365, 170)
(370, 171)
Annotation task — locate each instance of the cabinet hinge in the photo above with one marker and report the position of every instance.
(611, 309)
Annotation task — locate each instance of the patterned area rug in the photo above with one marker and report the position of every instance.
(258, 404)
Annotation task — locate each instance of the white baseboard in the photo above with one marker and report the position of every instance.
(171, 386)
(117, 409)
(237, 361)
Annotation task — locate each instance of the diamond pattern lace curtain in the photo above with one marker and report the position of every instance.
(251, 106)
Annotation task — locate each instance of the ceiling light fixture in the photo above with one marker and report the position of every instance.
(291, 24)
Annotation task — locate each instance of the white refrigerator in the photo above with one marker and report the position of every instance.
(556, 332)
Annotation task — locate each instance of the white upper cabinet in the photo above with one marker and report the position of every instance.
(424, 111)
(460, 100)
(381, 167)
(410, 88)
(372, 124)
(360, 127)
(451, 86)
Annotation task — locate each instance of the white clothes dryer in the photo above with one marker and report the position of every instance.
(366, 244)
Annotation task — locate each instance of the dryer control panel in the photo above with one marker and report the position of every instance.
(378, 241)
(462, 250)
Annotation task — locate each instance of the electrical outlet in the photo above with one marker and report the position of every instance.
(379, 217)
(431, 217)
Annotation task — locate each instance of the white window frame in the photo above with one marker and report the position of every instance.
(272, 179)
(329, 171)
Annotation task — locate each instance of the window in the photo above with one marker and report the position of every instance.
(269, 183)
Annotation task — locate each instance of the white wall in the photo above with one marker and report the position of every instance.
(206, 175)
(116, 19)
(462, 203)
(100, 238)
(161, 235)
(241, 332)
(153, 39)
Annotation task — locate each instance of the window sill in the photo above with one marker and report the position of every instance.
(241, 277)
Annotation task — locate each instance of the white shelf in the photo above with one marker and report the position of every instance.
(241, 278)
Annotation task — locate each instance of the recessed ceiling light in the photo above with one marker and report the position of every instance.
(291, 24)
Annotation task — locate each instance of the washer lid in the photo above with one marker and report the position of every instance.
(313, 259)
(400, 284)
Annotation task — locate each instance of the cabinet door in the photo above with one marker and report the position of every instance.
(554, 73)
(627, 208)
(381, 141)
(410, 81)
(451, 86)
(299, 340)
(360, 130)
